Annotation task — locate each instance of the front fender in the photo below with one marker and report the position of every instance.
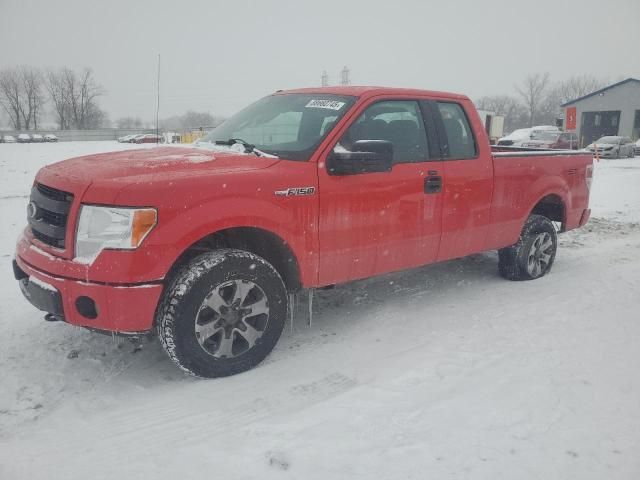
(193, 207)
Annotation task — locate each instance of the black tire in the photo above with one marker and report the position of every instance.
(525, 260)
(184, 300)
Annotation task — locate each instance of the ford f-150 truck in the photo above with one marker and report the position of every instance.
(206, 244)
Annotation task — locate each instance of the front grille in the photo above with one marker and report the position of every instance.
(47, 214)
(54, 242)
(53, 193)
(54, 218)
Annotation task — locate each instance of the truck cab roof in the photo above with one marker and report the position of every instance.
(372, 91)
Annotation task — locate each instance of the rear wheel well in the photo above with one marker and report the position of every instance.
(551, 207)
(256, 240)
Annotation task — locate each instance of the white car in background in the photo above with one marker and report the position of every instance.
(24, 138)
(37, 138)
(8, 139)
(523, 135)
(515, 138)
(637, 148)
(613, 147)
(50, 137)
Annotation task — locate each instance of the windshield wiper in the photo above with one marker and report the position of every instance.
(248, 147)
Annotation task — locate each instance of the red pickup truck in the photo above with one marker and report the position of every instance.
(208, 243)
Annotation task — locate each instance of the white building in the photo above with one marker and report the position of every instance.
(612, 110)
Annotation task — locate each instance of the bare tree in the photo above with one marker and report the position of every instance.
(129, 122)
(193, 119)
(574, 87)
(578, 86)
(57, 87)
(74, 97)
(95, 117)
(532, 91)
(83, 92)
(506, 106)
(12, 96)
(32, 82)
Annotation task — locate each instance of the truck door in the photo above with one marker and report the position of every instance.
(372, 223)
(467, 179)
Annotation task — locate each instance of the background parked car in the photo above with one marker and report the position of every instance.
(554, 140)
(126, 138)
(24, 138)
(613, 147)
(148, 138)
(37, 138)
(9, 139)
(50, 137)
(518, 137)
(515, 138)
(637, 148)
(567, 140)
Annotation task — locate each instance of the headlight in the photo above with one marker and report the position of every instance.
(110, 227)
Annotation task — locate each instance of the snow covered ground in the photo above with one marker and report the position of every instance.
(446, 371)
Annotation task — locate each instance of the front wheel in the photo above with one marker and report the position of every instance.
(533, 255)
(222, 314)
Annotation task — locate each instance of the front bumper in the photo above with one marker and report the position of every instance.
(41, 295)
(605, 153)
(114, 308)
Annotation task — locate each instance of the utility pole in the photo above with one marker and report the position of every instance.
(344, 76)
(158, 106)
(325, 79)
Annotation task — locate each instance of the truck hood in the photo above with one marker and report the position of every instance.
(146, 165)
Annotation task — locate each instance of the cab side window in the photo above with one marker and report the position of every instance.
(396, 121)
(460, 142)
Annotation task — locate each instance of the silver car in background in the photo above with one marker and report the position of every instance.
(613, 147)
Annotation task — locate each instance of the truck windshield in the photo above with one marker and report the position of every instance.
(290, 126)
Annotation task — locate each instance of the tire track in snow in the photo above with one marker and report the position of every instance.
(159, 425)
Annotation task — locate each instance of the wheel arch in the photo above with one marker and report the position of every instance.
(259, 241)
(552, 206)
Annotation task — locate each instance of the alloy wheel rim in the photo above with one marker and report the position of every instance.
(540, 255)
(232, 318)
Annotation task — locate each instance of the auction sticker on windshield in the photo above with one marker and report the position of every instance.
(330, 104)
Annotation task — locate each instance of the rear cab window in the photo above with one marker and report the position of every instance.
(459, 141)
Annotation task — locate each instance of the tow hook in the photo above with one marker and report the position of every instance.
(50, 317)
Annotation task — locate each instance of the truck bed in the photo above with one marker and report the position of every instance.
(524, 176)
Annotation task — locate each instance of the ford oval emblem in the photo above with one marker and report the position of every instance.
(32, 210)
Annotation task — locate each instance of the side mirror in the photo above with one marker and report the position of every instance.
(368, 156)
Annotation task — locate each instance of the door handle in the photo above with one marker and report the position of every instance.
(433, 184)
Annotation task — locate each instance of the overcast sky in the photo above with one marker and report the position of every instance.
(218, 56)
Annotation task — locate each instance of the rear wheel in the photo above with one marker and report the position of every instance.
(222, 314)
(533, 255)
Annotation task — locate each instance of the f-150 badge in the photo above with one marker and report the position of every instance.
(295, 191)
